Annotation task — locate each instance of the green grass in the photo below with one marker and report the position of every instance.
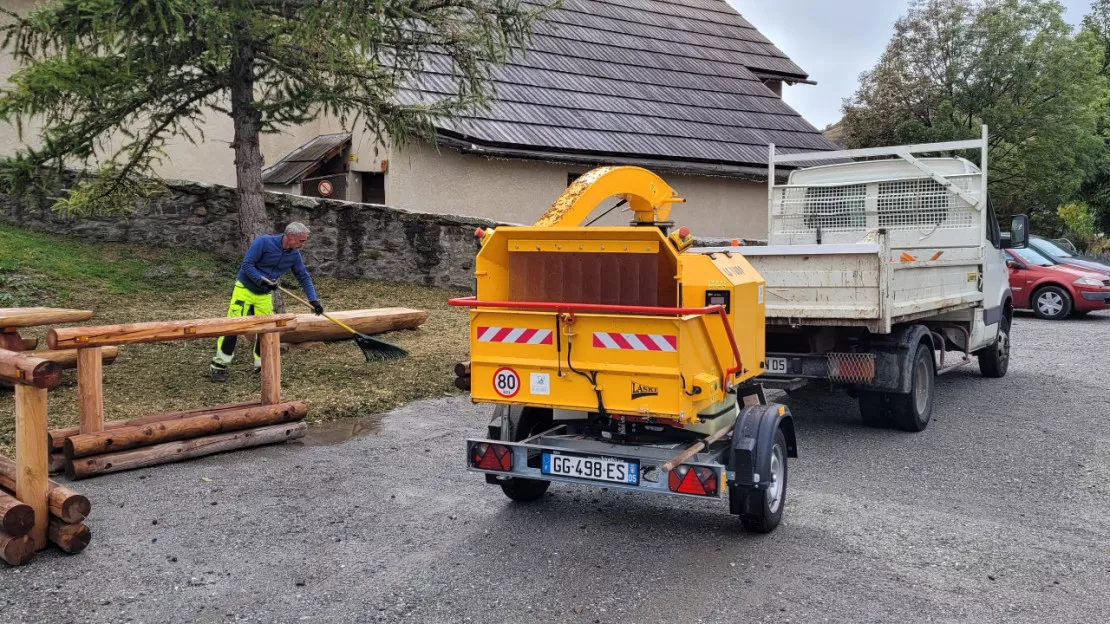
(124, 283)
(41, 269)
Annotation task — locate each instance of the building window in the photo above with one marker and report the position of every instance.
(373, 188)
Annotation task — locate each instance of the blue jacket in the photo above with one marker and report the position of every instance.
(266, 257)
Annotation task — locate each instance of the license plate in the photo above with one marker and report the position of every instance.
(776, 366)
(595, 468)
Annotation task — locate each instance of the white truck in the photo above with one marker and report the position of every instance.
(882, 274)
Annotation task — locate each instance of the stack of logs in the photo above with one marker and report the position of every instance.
(67, 529)
(97, 447)
(462, 375)
(175, 436)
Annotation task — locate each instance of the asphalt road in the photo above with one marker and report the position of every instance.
(999, 512)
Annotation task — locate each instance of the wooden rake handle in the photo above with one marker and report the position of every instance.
(333, 320)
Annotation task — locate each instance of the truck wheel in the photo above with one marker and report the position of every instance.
(874, 408)
(532, 421)
(913, 411)
(1052, 303)
(994, 361)
(770, 502)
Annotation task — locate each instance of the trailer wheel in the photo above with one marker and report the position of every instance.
(913, 411)
(994, 361)
(768, 504)
(874, 408)
(532, 421)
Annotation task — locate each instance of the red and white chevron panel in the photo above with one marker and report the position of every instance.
(515, 335)
(636, 342)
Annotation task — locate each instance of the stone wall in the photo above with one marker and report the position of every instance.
(354, 241)
(351, 241)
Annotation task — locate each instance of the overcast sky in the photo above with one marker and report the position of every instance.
(835, 40)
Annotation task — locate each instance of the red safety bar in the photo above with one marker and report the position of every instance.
(473, 302)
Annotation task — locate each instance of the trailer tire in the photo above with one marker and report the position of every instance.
(913, 411)
(874, 409)
(532, 421)
(994, 361)
(768, 504)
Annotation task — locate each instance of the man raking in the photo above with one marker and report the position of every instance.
(268, 258)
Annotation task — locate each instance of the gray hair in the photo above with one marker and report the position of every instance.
(296, 228)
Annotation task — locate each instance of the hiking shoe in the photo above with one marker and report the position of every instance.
(219, 375)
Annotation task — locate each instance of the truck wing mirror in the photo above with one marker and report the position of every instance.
(1019, 233)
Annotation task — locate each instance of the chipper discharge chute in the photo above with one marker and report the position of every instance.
(615, 357)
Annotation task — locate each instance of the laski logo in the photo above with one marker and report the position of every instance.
(640, 391)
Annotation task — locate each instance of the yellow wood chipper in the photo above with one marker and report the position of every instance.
(620, 357)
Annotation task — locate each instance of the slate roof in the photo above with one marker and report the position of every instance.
(305, 159)
(677, 83)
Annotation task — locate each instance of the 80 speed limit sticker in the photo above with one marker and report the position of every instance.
(506, 382)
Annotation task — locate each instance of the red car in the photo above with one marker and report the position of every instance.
(1053, 290)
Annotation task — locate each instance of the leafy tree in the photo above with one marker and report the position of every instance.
(1096, 186)
(1015, 65)
(113, 80)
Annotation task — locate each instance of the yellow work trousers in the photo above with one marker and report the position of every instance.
(243, 303)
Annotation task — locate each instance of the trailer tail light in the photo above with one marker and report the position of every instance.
(486, 456)
(696, 480)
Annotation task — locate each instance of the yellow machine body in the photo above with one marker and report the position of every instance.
(539, 335)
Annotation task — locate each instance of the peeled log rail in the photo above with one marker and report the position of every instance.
(16, 551)
(57, 437)
(183, 429)
(30, 317)
(16, 518)
(138, 333)
(462, 369)
(64, 503)
(178, 451)
(20, 368)
(29, 344)
(312, 328)
(71, 538)
(462, 383)
(67, 358)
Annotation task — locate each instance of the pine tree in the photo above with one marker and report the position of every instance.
(113, 80)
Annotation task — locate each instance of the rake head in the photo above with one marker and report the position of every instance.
(376, 350)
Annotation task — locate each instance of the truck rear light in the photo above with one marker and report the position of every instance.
(696, 480)
(491, 457)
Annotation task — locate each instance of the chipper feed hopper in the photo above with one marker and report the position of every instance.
(615, 357)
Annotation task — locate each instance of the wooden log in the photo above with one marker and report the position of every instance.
(270, 350)
(16, 517)
(57, 437)
(71, 538)
(16, 551)
(64, 503)
(32, 483)
(162, 331)
(67, 358)
(29, 344)
(30, 317)
(183, 429)
(57, 463)
(462, 369)
(90, 390)
(10, 340)
(312, 328)
(462, 383)
(22, 369)
(178, 451)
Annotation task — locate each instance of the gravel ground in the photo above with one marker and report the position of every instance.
(999, 512)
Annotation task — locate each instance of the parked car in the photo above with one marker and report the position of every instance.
(1054, 290)
(1062, 255)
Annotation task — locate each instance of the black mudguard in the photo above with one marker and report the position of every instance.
(752, 440)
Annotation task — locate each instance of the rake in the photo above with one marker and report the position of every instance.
(372, 348)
